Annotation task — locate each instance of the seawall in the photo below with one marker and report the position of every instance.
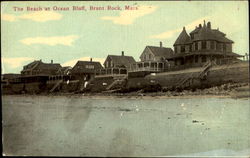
(217, 75)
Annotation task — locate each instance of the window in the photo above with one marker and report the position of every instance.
(229, 47)
(203, 45)
(175, 49)
(217, 46)
(182, 49)
(203, 59)
(149, 56)
(190, 48)
(211, 44)
(192, 36)
(224, 47)
(196, 45)
(89, 66)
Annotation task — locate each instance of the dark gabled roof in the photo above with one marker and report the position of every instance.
(32, 64)
(183, 38)
(48, 66)
(161, 51)
(196, 30)
(121, 60)
(80, 67)
(216, 31)
(38, 64)
(206, 33)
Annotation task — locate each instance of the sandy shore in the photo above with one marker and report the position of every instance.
(117, 126)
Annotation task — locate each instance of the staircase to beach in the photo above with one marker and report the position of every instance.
(56, 85)
(193, 75)
(118, 81)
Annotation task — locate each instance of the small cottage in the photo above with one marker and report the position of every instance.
(118, 64)
(153, 53)
(85, 70)
(37, 67)
(115, 61)
(154, 59)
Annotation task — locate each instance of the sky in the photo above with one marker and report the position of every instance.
(65, 35)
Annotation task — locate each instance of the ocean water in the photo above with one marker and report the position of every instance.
(151, 126)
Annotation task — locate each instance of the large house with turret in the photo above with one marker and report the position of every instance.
(201, 45)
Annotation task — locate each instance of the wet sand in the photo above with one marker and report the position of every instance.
(121, 126)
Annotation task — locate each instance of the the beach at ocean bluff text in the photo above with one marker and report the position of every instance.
(77, 8)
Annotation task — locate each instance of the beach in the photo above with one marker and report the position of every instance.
(125, 126)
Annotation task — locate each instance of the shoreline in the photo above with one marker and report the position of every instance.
(120, 96)
(236, 91)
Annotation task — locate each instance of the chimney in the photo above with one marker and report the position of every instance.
(204, 24)
(90, 59)
(209, 25)
(199, 25)
(122, 53)
(51, 62)
(160, 44)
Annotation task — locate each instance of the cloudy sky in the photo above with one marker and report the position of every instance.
(67, 36)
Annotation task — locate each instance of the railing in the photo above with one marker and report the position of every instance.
(205, 68)
(110, 75)
(56, 78)
(110, 72)
(147, 69)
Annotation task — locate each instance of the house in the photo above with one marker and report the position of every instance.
(37, 67)
(118, 64)
(154, 58)
(115, 61)
(153, 53)
(201, 45)
(84, 70)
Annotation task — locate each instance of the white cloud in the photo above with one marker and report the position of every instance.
(52, 41)
(39, 16)
(127, 17)
(73, 62)
(15, 62)
(171, 33)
